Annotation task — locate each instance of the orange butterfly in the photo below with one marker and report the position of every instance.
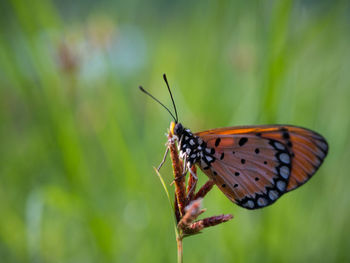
(252, 165)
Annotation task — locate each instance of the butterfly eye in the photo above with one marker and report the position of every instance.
(178, 129)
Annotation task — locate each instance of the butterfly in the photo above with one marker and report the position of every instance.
(252, 165)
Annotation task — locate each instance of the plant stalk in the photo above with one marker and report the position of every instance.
(179, 249)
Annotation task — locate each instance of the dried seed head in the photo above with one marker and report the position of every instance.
(210, 221)
(193, 210)
(204, 189)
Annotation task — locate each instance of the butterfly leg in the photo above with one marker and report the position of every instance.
(178, 179)
(195, 178)
(191, 172)
(164, 158)
(184, 171)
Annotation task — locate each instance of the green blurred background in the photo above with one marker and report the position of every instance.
(78, 139)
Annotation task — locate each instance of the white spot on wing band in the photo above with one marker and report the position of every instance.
(284, 158)
(284, 171)
(320, 154)
(262, 201)
(322, 145)
(249, 204)
(273, 195)
(281, 185)
(209, 159)
(279, 146)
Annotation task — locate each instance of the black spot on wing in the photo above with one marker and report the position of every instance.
(222, 156)
(285, 133)
(242, 141)
(217, 142)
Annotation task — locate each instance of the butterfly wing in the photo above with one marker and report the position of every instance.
(255, 165)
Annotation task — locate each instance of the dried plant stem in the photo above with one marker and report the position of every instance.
(187, 203)
(179, 181)
(204, 189)
(179, 249)
(180, 192)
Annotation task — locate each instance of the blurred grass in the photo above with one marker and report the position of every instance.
(78, 140)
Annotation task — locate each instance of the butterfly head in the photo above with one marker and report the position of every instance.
(176, 129)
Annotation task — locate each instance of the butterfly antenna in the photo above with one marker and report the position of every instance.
(146, 92)
(171, 95)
